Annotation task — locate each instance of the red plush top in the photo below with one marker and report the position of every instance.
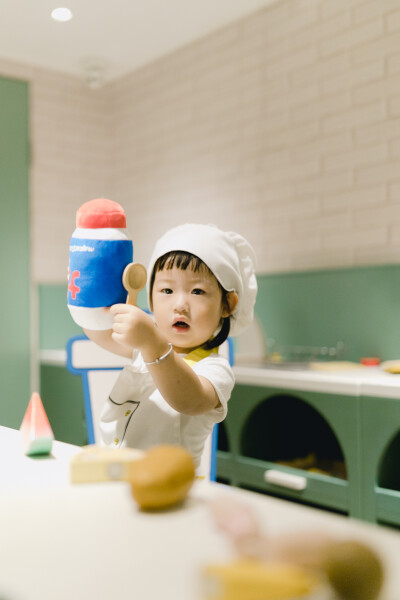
(99, 213)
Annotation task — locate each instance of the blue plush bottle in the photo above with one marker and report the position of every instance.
(98, 254)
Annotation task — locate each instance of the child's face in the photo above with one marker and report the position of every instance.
(187, 306)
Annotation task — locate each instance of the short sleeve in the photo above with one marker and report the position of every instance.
(219, 373)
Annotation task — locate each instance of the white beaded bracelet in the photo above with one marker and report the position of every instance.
(163, 357)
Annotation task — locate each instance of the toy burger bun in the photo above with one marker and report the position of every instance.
(162, 478)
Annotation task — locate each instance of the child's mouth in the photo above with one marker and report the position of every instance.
(180, 325)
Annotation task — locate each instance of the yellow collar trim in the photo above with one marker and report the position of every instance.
(198, 354)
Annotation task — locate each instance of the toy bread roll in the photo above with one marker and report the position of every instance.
(162, 478)
(98, 254)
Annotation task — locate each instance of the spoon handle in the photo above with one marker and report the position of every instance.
(132, 296)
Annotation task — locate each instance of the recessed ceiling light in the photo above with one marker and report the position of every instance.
(61, 14)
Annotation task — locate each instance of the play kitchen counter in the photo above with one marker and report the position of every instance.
(326, 438)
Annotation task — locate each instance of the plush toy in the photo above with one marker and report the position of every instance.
(99, 252)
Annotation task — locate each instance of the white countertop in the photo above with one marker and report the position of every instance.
(86, 541)
(357, 381)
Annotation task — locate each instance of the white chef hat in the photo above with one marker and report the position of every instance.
(228, 256)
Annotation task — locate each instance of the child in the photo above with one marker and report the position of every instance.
(201, 288)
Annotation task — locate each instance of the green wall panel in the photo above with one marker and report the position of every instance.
(62, 398)
(14, 252)
(359, 306)
(55, 323)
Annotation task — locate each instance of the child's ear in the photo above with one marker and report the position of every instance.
(231, 300)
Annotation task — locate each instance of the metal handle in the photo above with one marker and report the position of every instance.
(286, 480)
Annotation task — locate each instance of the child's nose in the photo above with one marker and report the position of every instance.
(181, 302)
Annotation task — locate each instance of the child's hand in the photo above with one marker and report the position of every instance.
(132, 327)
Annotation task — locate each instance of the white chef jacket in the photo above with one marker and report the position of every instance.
(136, 415)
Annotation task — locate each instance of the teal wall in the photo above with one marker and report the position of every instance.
(359, 306)
(14, 252)
(62, 397)
(55, 323)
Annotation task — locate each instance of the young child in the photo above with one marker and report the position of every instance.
(201, 288)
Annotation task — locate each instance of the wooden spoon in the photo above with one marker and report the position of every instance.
(134, 279)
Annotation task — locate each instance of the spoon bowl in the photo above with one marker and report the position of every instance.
(134, 279)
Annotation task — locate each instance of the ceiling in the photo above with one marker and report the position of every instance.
(110, 37)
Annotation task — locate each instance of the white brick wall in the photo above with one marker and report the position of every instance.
(69, 161)
(284, 127)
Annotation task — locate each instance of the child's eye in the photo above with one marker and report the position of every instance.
(198, 291)
(166, 291)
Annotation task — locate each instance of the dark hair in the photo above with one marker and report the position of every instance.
(186, 260)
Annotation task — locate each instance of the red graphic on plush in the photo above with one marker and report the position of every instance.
(73, 288)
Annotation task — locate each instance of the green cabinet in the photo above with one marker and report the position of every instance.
(381, 459)
(304, 446)
(336, 451)
(330, 441)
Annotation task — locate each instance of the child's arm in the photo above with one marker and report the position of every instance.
(180, 386)
(105, 340)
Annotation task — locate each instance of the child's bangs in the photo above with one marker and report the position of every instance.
(180, 260)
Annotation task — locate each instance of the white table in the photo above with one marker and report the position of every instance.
(84, 542)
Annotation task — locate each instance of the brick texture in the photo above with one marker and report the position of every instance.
(284, 126)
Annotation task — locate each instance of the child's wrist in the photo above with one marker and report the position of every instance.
(157, 348)
(160, 358)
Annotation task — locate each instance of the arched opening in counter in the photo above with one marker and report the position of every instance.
(286, 430)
